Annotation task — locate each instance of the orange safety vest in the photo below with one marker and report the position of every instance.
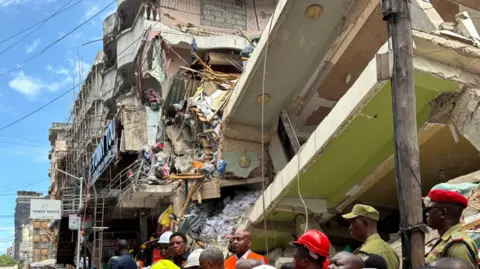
(231, 262)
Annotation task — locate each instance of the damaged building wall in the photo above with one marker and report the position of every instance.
(133, 137)
(219, 15)
(462, 110)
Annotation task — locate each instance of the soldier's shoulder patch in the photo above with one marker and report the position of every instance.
(435, 252)
(456, 237)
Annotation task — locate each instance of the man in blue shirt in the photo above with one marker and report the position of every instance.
(124, 261)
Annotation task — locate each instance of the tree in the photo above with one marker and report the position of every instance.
(6, 260)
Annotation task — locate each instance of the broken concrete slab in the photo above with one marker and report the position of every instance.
(180, 138)
(424, 17)
(241, 164)
(281, 261)
(462, 109)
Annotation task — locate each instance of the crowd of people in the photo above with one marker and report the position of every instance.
(454, 250)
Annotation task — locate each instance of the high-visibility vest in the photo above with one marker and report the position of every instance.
(231, 262)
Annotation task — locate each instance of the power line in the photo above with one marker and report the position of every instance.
(40, 108)
(42, 21)
(24, 151)
(22, 138)
(22, 144)
(21, 65)
(24, 186)
(68, 91)
(4, 2)
(38, 27)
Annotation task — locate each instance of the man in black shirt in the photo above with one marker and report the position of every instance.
(124, 261)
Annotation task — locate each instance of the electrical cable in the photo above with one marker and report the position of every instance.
(38, 27)
(22, 138)
(22, 144)
(40, 108)
(24, 186)
(31, 26)
(265, 226)
(25, 62)
(24, 151)
(4, 2)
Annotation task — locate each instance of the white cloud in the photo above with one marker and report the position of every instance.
(31, 87)
(58, 71)
(31, 48)
(34, 3)
(26, 85)
(91, 11)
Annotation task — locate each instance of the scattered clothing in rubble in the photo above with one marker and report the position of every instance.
(152, 98)
(464, 189)
(247, 51)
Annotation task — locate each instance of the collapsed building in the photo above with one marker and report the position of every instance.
(184, 115)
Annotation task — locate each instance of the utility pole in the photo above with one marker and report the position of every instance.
(407, 168)
(80, 204)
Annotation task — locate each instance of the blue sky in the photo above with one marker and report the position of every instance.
(24, 146)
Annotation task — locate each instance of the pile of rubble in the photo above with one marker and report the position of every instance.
(234, 209)
(188, 144)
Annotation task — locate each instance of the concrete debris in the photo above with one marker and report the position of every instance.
(274, 254)
(224, 223)
(180, 141)
(430, 238)
(183, 164)
(160, 61)
(282, 260)
(288, 252)
(466, 28)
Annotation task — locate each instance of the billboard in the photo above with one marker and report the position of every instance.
(104, 153)
(45, 209)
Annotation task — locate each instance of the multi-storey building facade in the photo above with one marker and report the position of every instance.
(22, 214)
(120, 112)
(188, 117)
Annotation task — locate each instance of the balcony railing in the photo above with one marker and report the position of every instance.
(128, 41)
(126, 179)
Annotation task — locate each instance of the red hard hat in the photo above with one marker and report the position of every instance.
(316, 241)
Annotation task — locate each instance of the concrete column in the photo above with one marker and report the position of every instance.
(179, 199)
(143, 229)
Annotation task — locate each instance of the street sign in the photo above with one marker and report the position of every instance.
(73, 222)
(45, 209)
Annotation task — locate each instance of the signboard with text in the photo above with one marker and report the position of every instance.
(45, 209)
(73, 222)
(104, 154)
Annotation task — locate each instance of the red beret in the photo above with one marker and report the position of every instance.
(450, 197)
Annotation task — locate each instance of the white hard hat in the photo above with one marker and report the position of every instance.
(194, 258)
(165, 238)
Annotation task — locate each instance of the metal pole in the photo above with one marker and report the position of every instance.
(79, 234)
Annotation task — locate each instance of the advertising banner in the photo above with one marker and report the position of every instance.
(45, 209)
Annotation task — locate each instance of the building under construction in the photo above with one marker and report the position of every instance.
(225, 113)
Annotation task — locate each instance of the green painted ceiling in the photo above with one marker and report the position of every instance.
(365, 143)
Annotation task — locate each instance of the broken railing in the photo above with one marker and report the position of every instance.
(126, 180)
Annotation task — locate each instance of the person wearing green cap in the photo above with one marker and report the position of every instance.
(363, 227)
